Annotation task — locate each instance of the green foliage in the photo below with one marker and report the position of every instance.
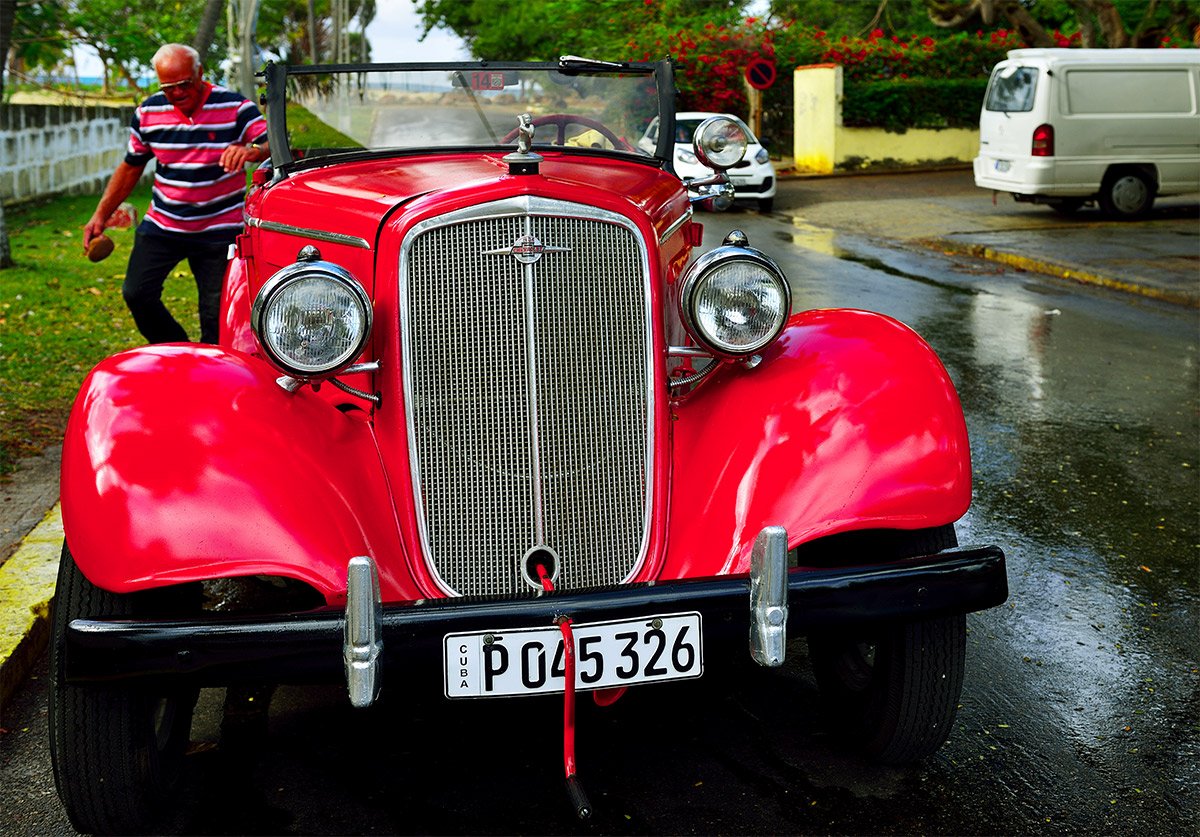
(900, 104)
(543, 31)
(60, 315)
(39, 38)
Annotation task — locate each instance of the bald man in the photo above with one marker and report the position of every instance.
(201, 137)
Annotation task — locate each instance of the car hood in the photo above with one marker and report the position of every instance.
(352, 199)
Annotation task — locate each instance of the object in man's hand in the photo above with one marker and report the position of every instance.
(100, 248)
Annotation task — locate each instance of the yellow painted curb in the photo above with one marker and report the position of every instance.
(27, 581)
(1051, 269)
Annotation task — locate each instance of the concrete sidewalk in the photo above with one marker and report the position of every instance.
(1159, 259)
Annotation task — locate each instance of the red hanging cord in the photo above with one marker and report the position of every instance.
(582, 807)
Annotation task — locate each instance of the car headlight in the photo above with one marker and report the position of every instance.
(684, 156)
(719, 143)
(735, 301)
(312, 319)
(761, 157)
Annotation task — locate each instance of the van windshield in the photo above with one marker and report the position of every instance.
(1012, 89)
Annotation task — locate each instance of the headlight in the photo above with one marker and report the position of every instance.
(735, 301)
(719, 142)
(761, 157)
(312, 319)
(684, 156)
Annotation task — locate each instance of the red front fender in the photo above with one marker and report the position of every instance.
(188, 462)
(850, 422)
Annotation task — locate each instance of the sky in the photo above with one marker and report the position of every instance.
(393, 35)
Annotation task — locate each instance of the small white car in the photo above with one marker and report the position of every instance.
(753, 178)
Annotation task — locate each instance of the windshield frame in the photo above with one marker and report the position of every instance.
(284, 161)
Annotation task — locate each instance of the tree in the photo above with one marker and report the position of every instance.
(207, 30)
(543, 31)
(8, 13)
(1099, 23)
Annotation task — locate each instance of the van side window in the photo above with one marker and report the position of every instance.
(1156, 90)
(1012, 89)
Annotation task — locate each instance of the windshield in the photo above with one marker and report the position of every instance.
(1012, 89)
(397, 108)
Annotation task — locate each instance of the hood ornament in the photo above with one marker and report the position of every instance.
(524, 160)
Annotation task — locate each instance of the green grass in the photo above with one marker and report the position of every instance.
(60, 315)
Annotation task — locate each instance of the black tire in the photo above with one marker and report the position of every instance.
(1126, 194)
(766, 204)
(117, 752)
(1066, 206)
(893, 690)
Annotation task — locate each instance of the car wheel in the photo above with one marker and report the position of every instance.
(766, 204)
(1126, 194)
(117, 752)
(893, 691)
(1066, 206)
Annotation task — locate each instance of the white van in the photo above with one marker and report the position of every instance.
(1067, 126)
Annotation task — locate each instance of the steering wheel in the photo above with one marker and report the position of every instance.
(562, 120)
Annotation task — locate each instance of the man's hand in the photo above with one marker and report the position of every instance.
(91, 230)
(237, 156)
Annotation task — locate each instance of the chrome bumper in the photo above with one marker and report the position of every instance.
(357, 644)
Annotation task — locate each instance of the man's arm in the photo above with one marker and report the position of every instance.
(119, 186)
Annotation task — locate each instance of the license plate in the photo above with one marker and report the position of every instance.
(529, 661)
(1003, 165)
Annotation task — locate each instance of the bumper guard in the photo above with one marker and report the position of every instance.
(767, 605)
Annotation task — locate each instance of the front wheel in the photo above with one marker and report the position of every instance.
(117, 752)
(894, 692)
(892, 689)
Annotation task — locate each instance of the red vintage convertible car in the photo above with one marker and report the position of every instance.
(480, 425)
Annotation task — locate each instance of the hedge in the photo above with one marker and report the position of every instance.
(899, 104)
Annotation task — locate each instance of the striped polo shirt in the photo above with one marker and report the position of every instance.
(192, 193)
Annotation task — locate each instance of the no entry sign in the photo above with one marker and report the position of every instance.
(760, 73)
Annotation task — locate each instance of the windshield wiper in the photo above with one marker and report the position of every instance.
(574, 62)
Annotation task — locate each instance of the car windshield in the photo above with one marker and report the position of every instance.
(1011, 89)
(574, 104)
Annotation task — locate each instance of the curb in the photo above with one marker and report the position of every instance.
(27, 582)
(1061, 271)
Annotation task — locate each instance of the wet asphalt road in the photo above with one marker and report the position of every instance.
(1081, 706)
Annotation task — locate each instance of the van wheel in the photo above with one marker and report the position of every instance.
(1126, 194)
(117, 751)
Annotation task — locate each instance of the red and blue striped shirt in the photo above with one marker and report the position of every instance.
(192, 193)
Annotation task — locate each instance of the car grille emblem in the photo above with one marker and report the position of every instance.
(527, 249)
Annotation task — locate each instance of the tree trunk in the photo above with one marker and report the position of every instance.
(313, 57)
(8, 16)
(5, 252)
(1033, 32)
(208, 27)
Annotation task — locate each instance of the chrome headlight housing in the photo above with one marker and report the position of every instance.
(312, 319)
(719, 143)
(735, 301)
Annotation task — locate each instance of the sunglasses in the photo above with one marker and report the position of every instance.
(179, 86)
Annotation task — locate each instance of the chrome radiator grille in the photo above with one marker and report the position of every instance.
(527, 393)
